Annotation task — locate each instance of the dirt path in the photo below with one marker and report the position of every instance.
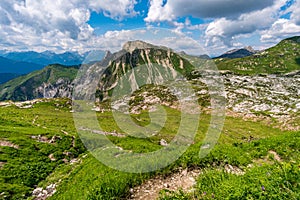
(8, 144)
(184, 179)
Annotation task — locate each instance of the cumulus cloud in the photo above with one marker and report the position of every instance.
(230, 19)
(295, 12)
(117, 9)
(159, 12)
(54, 24)
(64, 25)
(267, 23)
(226, 29)
(114, 40)
(202, 8)
(218, 8)
(281, 29)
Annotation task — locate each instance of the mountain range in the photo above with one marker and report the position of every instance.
(14, 64)
(49, 146)
(10, 69)
(239, 53)
(58, 80)
(48, 57)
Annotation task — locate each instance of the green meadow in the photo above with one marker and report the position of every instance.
(29, 158)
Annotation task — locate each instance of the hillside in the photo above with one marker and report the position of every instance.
(42, 155)
(50, 82)
(14, 64)
(238, 53)
(5, 77)
(282, 58)
(249, 95)
(138, 58)
(17, 67)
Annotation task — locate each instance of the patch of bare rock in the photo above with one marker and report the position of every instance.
(8, 144)
(184, 179)
(42, 194)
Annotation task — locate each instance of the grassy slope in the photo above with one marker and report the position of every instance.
(266, 179)
(93, 180)
(14, 89)
(232, 149)
(282, 58)
(26, 166)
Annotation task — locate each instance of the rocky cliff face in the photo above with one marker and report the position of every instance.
(51, 82)
(274, 97)
(136, 62)
(278, 95)
(61, 88)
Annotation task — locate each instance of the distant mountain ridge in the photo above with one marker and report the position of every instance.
(50, 82)
(281, 59)
(238, 53)
(48, 57)
(58, 81)
(17, 67)
(4, 77)
(13, 64)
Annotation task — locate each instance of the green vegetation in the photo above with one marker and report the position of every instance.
(24, 87)
(282, 58)
(28, 138)
(267, 179)
(234, 148)
(241, 144)
(39, 144)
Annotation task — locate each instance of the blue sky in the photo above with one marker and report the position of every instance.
(82, 25)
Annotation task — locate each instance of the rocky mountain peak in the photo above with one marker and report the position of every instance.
(239, 53)
(138, 44)
(108, 54)
(250, 49)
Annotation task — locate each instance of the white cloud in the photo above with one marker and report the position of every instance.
(114, 40)
(226, 29)
(158, 12)
(54, 24)
(202, 8)
(295, 9)
(229, 19)
(117, 9)
(281, 29)
(63, 25)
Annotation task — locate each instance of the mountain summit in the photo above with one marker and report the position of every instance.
(138, 44)
(239, 53)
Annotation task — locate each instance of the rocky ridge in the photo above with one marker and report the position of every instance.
(239, 53)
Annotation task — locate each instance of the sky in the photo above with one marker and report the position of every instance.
(214, 26)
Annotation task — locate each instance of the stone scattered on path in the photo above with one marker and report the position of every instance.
(184, 179)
